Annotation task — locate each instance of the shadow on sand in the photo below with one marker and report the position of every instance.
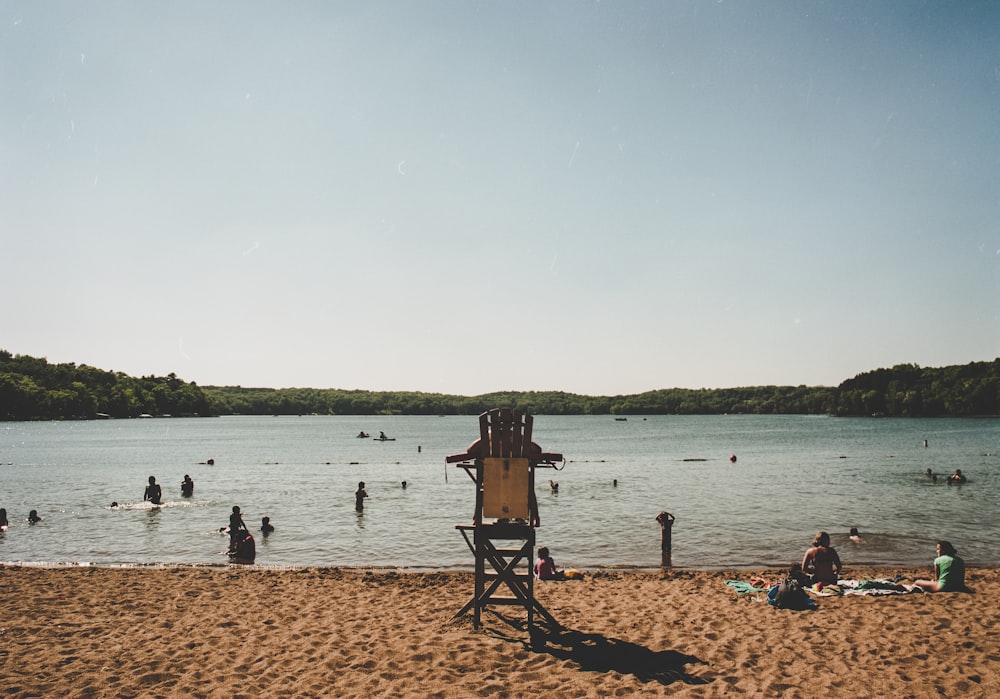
(595, 652)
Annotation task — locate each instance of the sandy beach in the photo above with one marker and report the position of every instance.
(324, 632)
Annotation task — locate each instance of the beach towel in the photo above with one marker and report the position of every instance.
(742, 587)
(876, 588)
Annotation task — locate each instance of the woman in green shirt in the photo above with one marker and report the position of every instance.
(949, 569)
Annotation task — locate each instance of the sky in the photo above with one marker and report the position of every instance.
(464, 197)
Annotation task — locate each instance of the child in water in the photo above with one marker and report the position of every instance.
(265, 525)
(236, 525)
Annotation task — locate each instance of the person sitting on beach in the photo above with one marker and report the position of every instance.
(153, 492)
(265, 525)
(359, 497)
(821, 561)
(956, 477)
(34, 517)
(187, 486)
(949, 570)
(545, 567)
(236, 526)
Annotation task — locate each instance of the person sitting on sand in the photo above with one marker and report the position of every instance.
(34, 517)
(949, 570)
(152, 492)
(265, 525)
(956, 477)
(187, 486)
(545, 567)
(821, 561)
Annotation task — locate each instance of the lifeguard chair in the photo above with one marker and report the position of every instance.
(502, 463)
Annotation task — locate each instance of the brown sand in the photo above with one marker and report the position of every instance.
(249, 632)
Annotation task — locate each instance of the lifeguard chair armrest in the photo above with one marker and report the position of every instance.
(466, 456)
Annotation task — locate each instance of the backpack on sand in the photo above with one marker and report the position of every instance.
(790, 595)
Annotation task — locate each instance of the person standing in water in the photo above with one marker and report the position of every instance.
(236, 525)
(359, 497)
(153, 492)
(187, 486)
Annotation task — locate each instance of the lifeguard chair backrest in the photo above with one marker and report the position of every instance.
(505, 433)
(506, 438)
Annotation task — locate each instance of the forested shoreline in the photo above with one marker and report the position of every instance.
(33, 389)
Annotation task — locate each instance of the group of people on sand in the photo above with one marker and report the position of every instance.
(821, 566)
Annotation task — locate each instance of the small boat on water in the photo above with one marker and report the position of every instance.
(621, 419)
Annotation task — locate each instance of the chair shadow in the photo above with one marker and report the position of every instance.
(595, 652)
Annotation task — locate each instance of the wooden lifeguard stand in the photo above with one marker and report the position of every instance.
(502, 462)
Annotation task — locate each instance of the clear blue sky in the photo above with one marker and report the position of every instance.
(596, 197)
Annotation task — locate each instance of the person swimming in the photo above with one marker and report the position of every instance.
(855, 536)
(265, 525)
(34, 517)
(956, 477)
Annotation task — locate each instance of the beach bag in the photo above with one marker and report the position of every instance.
(790, 595)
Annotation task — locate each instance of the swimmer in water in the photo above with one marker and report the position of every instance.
(359, 497)
(265, 525)
(956, 477)
(153, 492)
(34, 517)
(855, 536)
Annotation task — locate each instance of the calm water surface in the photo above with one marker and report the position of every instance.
(794, 475)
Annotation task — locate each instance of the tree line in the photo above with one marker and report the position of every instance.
(33, 389)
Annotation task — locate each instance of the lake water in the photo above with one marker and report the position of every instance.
(794, 475)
